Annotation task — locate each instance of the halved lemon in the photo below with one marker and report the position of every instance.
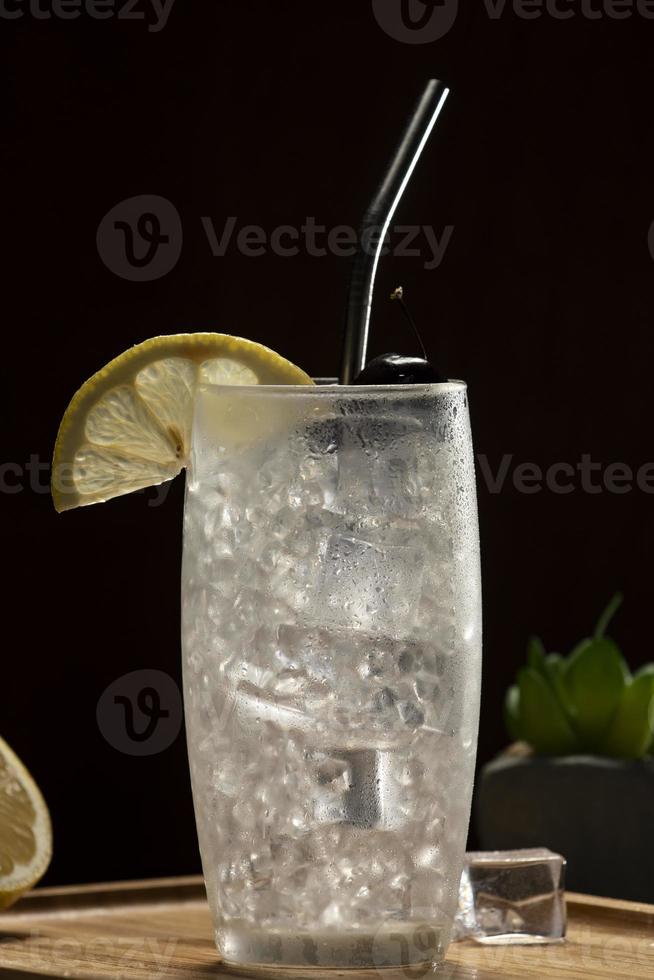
(129, 426)
(25, 830)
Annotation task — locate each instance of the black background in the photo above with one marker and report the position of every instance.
(272, 112)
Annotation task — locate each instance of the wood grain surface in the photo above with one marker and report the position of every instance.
(151, 929)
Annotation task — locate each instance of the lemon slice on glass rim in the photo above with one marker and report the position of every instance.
(129, 426)
(25, 829)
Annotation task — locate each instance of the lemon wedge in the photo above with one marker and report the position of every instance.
(25, 830)
(129, 426)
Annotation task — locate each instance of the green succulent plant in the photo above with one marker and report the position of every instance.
(587, 702)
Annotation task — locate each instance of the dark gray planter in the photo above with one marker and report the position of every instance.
(598, 813)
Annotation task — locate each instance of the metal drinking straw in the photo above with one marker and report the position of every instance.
(376, 221)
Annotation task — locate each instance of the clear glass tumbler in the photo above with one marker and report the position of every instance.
(332, 641)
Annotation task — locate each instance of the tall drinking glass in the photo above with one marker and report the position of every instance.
(332, 640)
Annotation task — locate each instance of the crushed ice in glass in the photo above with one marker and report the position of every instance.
(332, 642)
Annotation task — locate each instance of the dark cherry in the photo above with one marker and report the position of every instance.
(398, 369)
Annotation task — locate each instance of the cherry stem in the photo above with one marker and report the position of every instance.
(398, 294)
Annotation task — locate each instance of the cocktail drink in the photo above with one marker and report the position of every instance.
(331, 618)
(331, 635)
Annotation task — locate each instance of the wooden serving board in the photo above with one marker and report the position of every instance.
(162, 929)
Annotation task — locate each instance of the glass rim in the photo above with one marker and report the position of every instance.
(436, 388)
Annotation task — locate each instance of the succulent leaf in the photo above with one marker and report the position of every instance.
(512, 713)
(607, 615)
(595, 677)
(543, 722)
(555, 667)
(631, 733)
(535, 653)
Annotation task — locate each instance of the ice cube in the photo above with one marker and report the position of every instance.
(512, 897)
(252, 704)
(371, 586)
(363, 459)
(364, 790)
(332, 433)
